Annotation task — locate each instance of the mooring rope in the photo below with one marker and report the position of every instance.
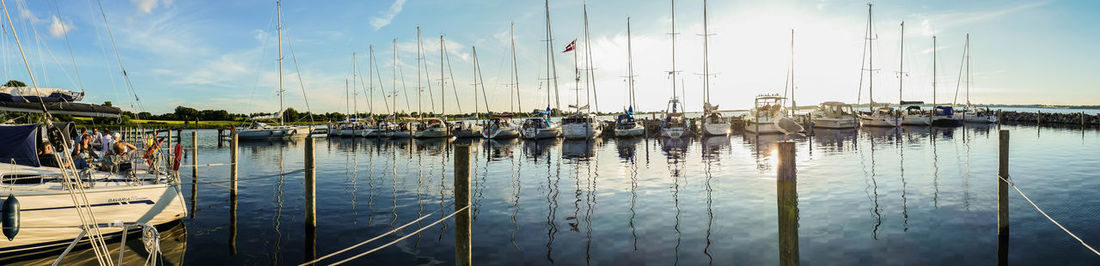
(368, 240)
(1071, 234)
(391, 242)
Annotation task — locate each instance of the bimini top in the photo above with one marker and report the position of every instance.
(62, 108)
(33, 95)
(19, 145)
(772, 96)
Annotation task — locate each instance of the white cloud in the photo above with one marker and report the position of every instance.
(147, 6)
(381, 21)
(58, 28)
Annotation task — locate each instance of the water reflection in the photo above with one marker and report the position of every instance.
(836, 140)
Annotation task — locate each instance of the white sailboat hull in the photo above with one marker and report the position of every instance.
(674, 132)
(501, 133)
(975, 118)
(635, 131)
(878, 121)
(581, 130)
(433, 132)
(272, 133)
(836, 123)
(49, 219)
(761, 127)
(716, 129)
(542, 133)
(916, 120)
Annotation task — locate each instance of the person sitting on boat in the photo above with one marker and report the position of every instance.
(121, 147)
(47, 157)
(105, 142)
(83, 153)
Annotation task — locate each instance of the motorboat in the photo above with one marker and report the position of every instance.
(768, 108)
(835, 115)
(944, 116)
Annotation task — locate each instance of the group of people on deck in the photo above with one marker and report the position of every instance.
(84, 150)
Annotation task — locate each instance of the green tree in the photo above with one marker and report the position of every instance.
(186, 112)
(291, 115)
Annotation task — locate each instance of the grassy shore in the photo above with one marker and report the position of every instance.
(176, 124)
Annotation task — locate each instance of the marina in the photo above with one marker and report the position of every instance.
(992, 160)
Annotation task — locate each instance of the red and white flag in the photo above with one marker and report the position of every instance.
(570, 47)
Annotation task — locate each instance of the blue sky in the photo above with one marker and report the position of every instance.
(222, 54)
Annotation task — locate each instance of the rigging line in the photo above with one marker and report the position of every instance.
(404, 86)
(1013, 184)
(955, 98)
(402, 238)
(454, 87)
(118, 57)
(294, 58)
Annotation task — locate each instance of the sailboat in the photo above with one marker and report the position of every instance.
(971, 114)
(674, 126)
(713, 122)
(582, 123)
(625, 125)
(437, 127)
(540, 126)
(942, 115)
(397, 128)
(375, 128)
(50, 203)
(501, 126)
(882, 116)
(475, 129)
(262, 131)
(912, 115)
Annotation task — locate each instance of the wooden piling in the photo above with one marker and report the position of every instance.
(310, 185)
(1002, 186)
(221, 136)
(1002, 200)
(786, 187)
(195, 155)
(1038, 117)
(462, 199)
(170, 148)
(233, 164)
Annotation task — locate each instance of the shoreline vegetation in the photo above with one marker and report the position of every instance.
(191, 118)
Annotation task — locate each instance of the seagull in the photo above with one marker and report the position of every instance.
(788, 126)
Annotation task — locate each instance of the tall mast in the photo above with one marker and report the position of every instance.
(793, 106)
(475, 85)
(515, 71)
(346, 94)
(279, 32)
(901, 62)
(370, 75)
(590, 70)
(419, 88)
(354, 89)
(630, 66)
(552, 68)
(934, 72)
(706, 61)
(968, 71)
(442, 81)
(673, 72)
(395, 79)
(870, 61)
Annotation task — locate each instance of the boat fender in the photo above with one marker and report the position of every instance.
(178, 157)
(10, 217)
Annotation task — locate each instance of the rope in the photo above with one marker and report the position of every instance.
(368, 241)
(383, 235)
(1013, 184)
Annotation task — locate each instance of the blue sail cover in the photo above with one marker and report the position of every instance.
(17, 145)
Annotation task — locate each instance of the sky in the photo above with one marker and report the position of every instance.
(224, 54)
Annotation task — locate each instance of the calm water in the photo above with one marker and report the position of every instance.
(868, 196)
